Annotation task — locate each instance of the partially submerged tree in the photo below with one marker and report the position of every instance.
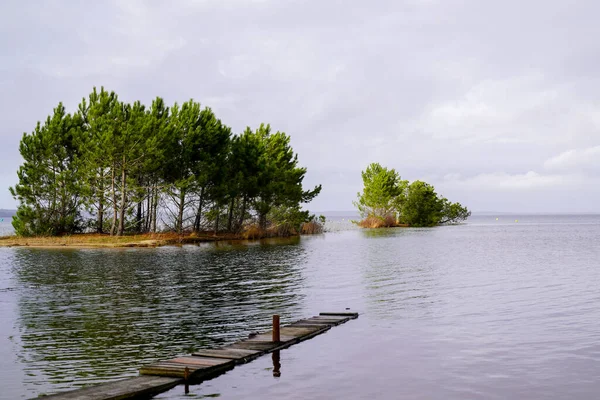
(422, 206)
(387, 200)
(382, 194)
(453, 213)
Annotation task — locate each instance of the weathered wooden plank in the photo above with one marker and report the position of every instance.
(329, 318)
(336, 317)
(330, 321)
(317, 322)
(205, 364)
(242, 355)
(298, 331)
(141, 386)
(200, 360)
(177, 369)
(345, 314)
(254, 345)
(176, 366)
(154, 370)
(318, 326)
(266, 337)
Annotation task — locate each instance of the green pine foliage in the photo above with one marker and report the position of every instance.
(387, 200)
(382, 190)
(49, 189)
(114, 167)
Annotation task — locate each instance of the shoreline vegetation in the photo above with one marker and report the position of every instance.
(125, 169)
(387, 201)
(105, 240)
(96, 240)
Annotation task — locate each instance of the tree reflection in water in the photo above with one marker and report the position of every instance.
(92, 315)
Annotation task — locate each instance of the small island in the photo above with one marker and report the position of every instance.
(388, 201)
(115, 174)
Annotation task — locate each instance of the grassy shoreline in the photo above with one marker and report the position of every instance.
(94, 240)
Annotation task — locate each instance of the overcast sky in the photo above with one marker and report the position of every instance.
(496, 103)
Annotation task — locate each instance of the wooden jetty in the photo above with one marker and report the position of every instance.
(209, 363)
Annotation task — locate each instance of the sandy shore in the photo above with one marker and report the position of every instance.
(93, 240)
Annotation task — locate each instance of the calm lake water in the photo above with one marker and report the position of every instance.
(6, 226)
(485, 310)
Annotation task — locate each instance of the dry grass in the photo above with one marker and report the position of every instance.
(380, 222)
(311, 228)
(95, 240)
(282, 230)
(253, 232)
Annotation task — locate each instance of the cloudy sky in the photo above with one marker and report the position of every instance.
(496, 103)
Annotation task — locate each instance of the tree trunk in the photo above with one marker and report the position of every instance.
(123, 199)
(138, 226)
(148, 210)
(180, 214)
(262, 221)
(243, 214)
(154, 208)
(217, 220)
(199, 212)
(230, 220)
(113, 226)
(100, 221)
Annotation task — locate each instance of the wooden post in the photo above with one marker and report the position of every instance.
(186, 376)
(276, 337)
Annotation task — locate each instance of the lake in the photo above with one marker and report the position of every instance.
(491, 309)
(6, 226)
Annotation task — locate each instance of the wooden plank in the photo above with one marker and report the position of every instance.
(207, 363)
(140, 386)
(334, 317)
(317, 322)
(328, 321)
(254, 345)
(163, 371)
(298, 331)
(315, 333)
(175, 366)
(328, 318)
(200, 361)
(232, 354)
(267, 336)
(345, 314)
(318, 326)
(177, 369)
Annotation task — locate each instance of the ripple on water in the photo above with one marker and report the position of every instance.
(482, 310)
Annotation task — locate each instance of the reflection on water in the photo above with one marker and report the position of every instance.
(90, 315)
(276, 357)
(486, 310)
(399, 271)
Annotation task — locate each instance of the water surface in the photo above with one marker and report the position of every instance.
(493, 309)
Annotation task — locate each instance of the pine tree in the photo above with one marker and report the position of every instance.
(49, 188)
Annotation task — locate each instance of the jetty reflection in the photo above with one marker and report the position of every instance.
(119, 309)
(276, 364)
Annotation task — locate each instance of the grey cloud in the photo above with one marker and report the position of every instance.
(460, 92)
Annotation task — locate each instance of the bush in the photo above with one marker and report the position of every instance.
(253, 232)
(378, 222)
(311, 228)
